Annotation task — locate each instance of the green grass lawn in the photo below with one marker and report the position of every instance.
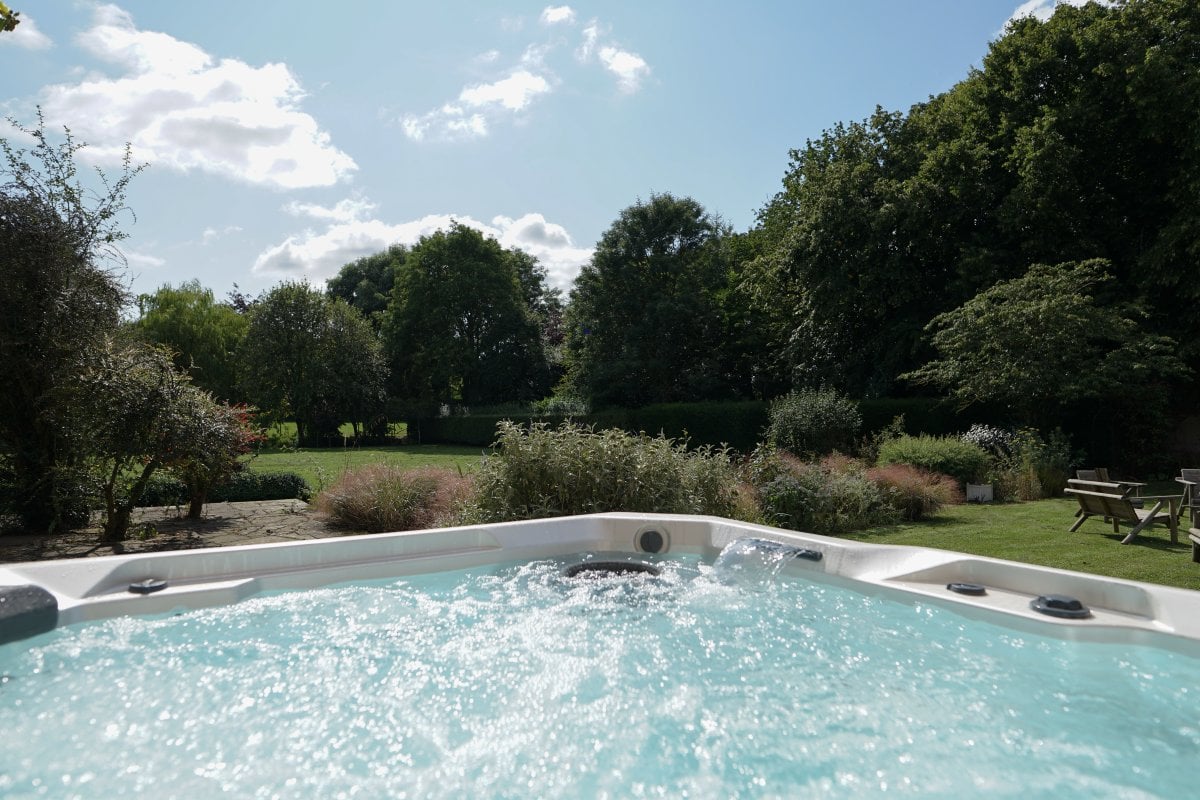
(1036, 533)
(321, 467)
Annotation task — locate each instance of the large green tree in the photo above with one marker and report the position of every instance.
(202, 334)
(460, 329)
(644, 323)
(61, 299)
(311, 359)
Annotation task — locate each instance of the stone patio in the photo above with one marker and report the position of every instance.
(165, 528)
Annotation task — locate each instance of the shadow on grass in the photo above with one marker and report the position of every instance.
(1152, 543)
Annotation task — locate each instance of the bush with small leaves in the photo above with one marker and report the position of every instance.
(948, 455)
(813, 422)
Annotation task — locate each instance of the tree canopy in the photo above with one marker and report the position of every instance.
(1049, 338)
(366, 284)
(202, 334)
(460, 329)
(644, 324)
(1070, 142)
(311, 359)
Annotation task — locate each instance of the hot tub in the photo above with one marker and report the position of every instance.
(607, 655)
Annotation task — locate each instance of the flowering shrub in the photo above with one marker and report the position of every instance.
(996, 441)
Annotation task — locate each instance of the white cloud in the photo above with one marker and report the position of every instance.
(347, 210)
(211, 234)
(26, 35)
(448, 122)
(183, 109)
(553, 15)
(136, 259)
(453, 121)
(319, 255)
(514, 92)
(549, 242)
(629, 68)
(478, 107)
(591, 34)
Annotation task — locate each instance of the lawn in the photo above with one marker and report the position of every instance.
(1036, 533)
(321, 467)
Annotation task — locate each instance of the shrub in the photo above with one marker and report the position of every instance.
(1034, 467)
(246, 486)
(562, 405)
(813, 422)
(164, 489)
(915, 493)
(830, 497)
(540, 472)
(167, 489)
(996, 441)
(948, 455)
(379, 498)
(868, 447)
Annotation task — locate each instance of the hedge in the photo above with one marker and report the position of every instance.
(166, 490)
(738, 424)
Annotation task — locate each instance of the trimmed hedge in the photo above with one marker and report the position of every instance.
(737, 424)
(921, 415)
(167, 490)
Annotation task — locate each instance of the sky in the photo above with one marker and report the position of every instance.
(286, 139)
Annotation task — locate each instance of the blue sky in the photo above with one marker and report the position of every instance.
(287, 138)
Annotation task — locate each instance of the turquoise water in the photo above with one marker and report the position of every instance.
(512, 681)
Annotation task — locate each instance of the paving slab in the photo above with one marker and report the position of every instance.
(166, 528)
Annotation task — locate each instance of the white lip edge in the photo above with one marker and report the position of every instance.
(1122, 611)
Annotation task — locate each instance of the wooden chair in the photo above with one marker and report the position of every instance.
(1112, 501)
(1190, 478)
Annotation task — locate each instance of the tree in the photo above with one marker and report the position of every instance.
(846, 254)
(202, 334)
(459, 328)
(312, 360)
(142, 415)
(61, 300)
(366, 284)
(644, 323)
(1036, 343)
(1074, 140)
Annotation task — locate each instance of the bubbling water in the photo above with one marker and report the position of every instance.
(516, 681)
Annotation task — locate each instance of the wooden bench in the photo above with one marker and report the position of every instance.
(1194, 535)
(1114, 501)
